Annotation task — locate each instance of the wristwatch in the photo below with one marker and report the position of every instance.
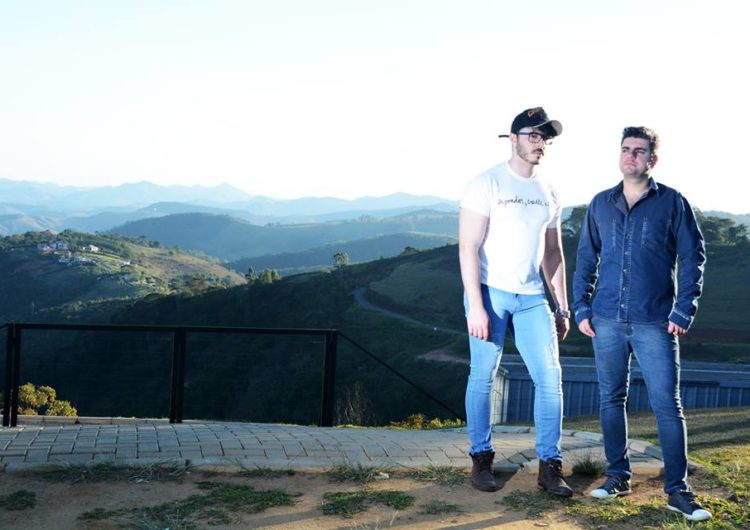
(565, 313)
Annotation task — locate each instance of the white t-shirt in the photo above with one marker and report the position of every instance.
(520, 210)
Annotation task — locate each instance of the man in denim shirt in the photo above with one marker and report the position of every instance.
(633, 238)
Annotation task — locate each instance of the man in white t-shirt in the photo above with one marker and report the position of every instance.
(509, 229)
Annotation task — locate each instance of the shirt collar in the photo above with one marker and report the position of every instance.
(616, 192)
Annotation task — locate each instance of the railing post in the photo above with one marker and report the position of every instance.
(8, 388)
(12, 375)
(329, 379)
(177, 394)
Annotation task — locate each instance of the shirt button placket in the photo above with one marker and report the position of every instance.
(626, 258)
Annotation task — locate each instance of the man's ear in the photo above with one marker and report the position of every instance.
(654, 159)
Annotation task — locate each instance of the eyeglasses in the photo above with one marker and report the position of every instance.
(535, 137)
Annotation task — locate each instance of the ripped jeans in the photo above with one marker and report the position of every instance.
(533, 330)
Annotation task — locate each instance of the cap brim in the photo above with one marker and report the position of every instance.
(553, 127)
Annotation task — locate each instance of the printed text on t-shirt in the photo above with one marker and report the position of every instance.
(523, 202)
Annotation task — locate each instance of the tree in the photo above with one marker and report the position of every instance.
(738, 235)
(572, 225)
(268, 276)
(340, 259)
(354, 407)
(42, 400)
(721, 231)
(250, 275)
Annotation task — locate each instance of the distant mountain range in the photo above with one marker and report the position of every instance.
(31, 206)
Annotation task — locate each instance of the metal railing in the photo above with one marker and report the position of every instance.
(178, 364)
(179, 351)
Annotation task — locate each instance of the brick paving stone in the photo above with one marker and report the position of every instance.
(61, 448)
(452, 451)
(128, 451)
(517, 458)
(275, 454)
(294, 450)
(37, 456)
(374, 451)
(13, 459)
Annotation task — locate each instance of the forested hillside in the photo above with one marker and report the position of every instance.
(44, 276)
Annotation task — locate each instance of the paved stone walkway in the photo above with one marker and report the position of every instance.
(252, 445)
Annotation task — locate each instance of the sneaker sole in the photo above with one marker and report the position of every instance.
(705, 516)
(611, 496)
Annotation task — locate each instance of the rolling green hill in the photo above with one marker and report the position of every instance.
(231, 239)
(44, 283)
(358, 251)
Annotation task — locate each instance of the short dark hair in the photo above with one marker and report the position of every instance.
(644, 133)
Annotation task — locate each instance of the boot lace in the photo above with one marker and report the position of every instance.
(484, 461)
(554, 468)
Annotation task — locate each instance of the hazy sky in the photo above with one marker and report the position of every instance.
(357, 97)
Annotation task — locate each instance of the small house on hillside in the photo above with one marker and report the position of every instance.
(91, 248)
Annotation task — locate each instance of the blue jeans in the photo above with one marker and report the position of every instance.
(658, 356)
(533, 330)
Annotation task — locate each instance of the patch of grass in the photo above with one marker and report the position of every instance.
(214, 508)
(359, 473)
(109, 472)
(534, 504)
(587, 466)
(349, 503)
(18, 500)
(266, 472)
(437, 506)
(344, 503)
(618, 510)
(100, 514)
(443, 475)
(394, 499)
(244, 498)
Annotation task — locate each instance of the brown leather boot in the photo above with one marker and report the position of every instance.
(551, 478)
(481, 472)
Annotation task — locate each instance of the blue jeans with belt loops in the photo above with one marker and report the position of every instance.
(533, 331)
(658, 356)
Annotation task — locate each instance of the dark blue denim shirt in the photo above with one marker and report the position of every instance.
(628, 258)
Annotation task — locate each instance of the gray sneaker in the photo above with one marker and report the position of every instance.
(684, 502)
(612, 487)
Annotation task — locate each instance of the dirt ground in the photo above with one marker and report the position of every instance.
(60, 505)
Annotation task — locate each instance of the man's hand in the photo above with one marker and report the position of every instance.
(478, 323)
(585, 327)
(562, 325)
(674, 329)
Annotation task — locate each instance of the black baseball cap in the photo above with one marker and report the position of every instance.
(537, 118)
